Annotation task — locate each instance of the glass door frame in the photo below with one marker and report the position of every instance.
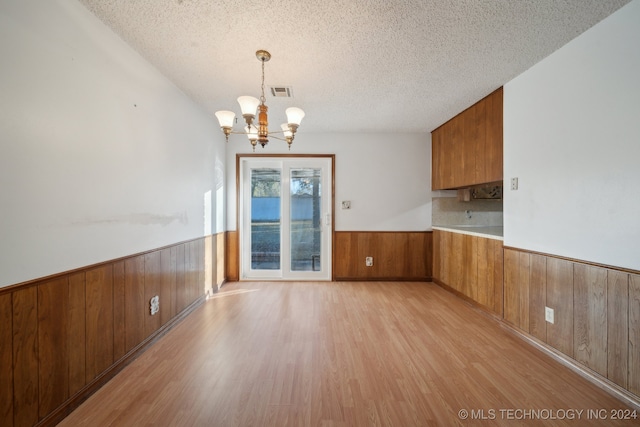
(240, 211)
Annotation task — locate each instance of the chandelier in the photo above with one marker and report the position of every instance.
(260, 134)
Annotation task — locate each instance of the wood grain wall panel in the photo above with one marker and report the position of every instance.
(493, 147)
(511, 288)
(53, 344)
(560, 299)
(6, 360)
(341, 260)
(167, 284)
(134, 310)
(76, 327)
(426, 240)
(523, 290)
(366, 243)
(99, 320)
(220, 258)
(538, 296)
(590, 317)
(200, 268)
(396, 255)
(192, 258)
(25, 356)
(617, 327)
(181, 279)
(232, 264)
(634, 334)
(189, 268)
(152, 277)
(119, 328)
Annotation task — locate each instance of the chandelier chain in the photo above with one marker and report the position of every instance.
(262, 98)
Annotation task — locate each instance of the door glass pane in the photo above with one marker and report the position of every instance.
(305, 219)
(266, 221)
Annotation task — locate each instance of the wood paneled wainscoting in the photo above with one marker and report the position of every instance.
(596, 312)
(64, 336)
(396, 255)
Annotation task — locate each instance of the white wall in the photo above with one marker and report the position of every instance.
(100, 155)
(387, 177)
(572, 137)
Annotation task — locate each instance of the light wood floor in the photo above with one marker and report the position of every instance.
(341, 354)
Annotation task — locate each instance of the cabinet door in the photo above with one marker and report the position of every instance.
(494, 140)
(437, 158)
(456, 155)
(474, 141)
(469, 267)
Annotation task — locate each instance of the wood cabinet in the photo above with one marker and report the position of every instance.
(467, 150)
(470, 265)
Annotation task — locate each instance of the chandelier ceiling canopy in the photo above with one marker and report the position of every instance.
(260, 134)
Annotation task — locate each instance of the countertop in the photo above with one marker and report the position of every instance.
(489, 232)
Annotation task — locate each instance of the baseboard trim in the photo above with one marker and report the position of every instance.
(87, 391)
(382, 279)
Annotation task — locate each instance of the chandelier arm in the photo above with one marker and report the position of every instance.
(276, 137)
(235, 132)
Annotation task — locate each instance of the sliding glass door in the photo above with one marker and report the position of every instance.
(285, 213)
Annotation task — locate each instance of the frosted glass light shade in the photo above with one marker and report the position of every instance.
(248, 105)
(226, 118)
(252, 133)
(287, 131)
(294, 115)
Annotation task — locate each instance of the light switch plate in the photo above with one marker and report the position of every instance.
(514, 183)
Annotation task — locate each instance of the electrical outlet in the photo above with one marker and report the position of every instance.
(548, 314)
(154, 305)
(368, 261)
(514, 183)
(346, 204)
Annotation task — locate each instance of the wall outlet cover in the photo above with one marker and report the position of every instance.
(368, 261)
(346, 204)
(548, 314)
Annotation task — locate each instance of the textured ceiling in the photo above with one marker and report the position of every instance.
(354, 66)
